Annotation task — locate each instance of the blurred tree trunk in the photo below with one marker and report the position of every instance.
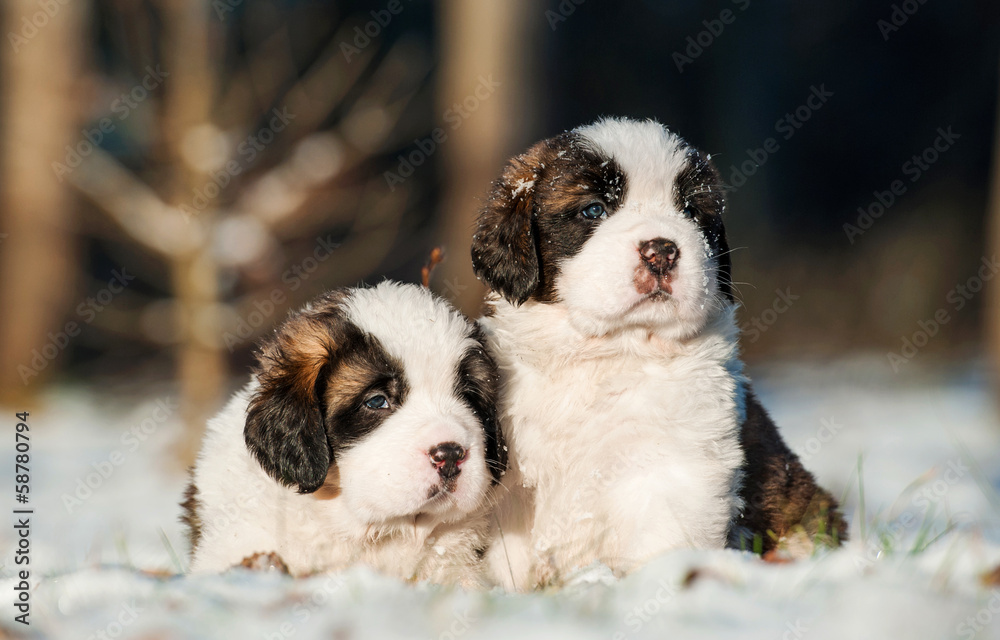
(39, 68)
(992, 315)
(483, 43)
(187, 113)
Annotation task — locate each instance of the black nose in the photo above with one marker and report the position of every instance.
(446, 457)
(659, 254)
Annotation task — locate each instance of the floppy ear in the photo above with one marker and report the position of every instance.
(285, 428)
(505, 247)
(700, 184)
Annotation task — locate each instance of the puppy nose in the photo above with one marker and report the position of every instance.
(659, 254)
(447, 457)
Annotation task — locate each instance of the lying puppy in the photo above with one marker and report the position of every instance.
(632, 429)
(367, 435)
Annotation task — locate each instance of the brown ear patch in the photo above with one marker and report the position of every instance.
(504, 248)
(298, 351)
(285, 429)
(330, 488)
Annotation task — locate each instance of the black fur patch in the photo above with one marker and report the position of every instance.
(477, 384)
(698, 191)
(780, 495)
(364, 370)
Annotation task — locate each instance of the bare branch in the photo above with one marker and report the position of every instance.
(135, 207)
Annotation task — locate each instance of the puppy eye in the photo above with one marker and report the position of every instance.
(377, 402)
(690, 212)
(594, 212)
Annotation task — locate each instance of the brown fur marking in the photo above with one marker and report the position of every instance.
(330, 488)
(190, 516)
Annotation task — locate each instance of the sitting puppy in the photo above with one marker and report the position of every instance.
(632, 429)
(367, 435)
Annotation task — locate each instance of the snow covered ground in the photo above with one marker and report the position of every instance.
(106, 544)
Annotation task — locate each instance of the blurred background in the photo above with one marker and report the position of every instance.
(175, 175)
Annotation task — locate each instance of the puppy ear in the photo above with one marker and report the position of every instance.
(700, 184)
(285, 428)
(505, 245)
(478, 380)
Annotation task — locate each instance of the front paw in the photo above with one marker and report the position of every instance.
(270, 561)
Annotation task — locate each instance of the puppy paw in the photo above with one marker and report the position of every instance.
(797, 545)
(546, 576)
(803, 541)
(270, 561)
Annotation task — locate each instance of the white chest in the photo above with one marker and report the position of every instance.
(627, 456)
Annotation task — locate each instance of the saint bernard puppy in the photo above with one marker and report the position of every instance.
(367, 435)
(631, 425)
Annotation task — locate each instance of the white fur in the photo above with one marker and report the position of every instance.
(429, 339)
(622, 413)
(382, 517)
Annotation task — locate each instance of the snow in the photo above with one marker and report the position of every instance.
(522, 185)
(930, 457)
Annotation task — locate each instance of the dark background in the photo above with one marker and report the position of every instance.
(559, 64)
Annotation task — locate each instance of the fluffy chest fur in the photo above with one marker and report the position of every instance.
(629, 446)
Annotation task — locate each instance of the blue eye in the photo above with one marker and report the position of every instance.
(689, 212)
(594, 212)
(377, 402)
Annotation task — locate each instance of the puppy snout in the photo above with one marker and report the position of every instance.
(447, 457)
(659, 255)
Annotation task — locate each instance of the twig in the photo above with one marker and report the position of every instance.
(436, 257)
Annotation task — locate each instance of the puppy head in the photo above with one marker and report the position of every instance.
(387, 397)
(619, 221)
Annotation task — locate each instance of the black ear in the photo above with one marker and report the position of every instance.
(285, 428)
(505, 246)
(700, 186)
(478, 385)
